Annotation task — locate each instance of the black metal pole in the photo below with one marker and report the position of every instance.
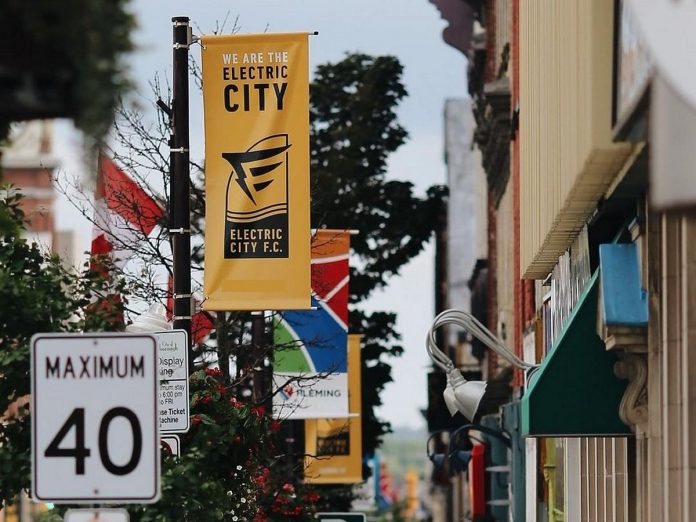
(262, 376)
(180, 215)
(258, 342)
(290, 449)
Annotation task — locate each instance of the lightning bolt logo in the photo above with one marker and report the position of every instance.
(256, 208)
(254, 163)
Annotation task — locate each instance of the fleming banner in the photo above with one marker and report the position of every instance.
(335, 445)
(257, 232)
(311, 346)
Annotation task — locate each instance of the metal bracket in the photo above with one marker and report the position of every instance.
(179, 230)
(181, 317)
(189, 33)
(181, 150)
(165, 108)
(182, 296)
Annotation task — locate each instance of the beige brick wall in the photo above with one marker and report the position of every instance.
(604, 487)
(653, 478)
(666, 455)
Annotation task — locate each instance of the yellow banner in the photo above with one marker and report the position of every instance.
(335, 445)
(257, 233)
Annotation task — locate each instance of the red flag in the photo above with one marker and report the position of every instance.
(123, 213)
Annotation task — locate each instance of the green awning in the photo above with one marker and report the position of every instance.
(575, 392)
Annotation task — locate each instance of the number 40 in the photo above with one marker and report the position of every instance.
(80, 452)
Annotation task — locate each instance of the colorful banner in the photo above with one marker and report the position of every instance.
(256, 106)
(310, 366)
(334, 446)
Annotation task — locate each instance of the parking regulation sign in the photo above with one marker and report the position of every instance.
(174, 384)
(95, 434)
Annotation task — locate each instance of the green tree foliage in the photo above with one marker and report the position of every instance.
(354, 129)
(64, 59)
(224, 472)
(37, 295)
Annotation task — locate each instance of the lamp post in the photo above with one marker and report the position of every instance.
(180, 197)
(461, 395)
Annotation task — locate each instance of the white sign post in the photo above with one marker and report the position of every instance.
(96, 515)
(174, 384)
(95, 434)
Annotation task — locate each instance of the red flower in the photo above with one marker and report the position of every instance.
(235, 403)
(205, 399)
(213, 372)
(196, 419)
(312, 497)
(220, 388)
(259, 411)
(274, 426)
(288, 487)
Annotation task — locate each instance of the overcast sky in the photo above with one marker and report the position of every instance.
(408, 29)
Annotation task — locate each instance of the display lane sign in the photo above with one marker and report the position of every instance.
(341, 517)
(172, 346)
(95, 435)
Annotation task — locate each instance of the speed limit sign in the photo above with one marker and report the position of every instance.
(94, 418)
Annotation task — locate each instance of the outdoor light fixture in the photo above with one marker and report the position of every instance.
(459, 449)
(438, 459)
(461, 395)
(459, 453)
